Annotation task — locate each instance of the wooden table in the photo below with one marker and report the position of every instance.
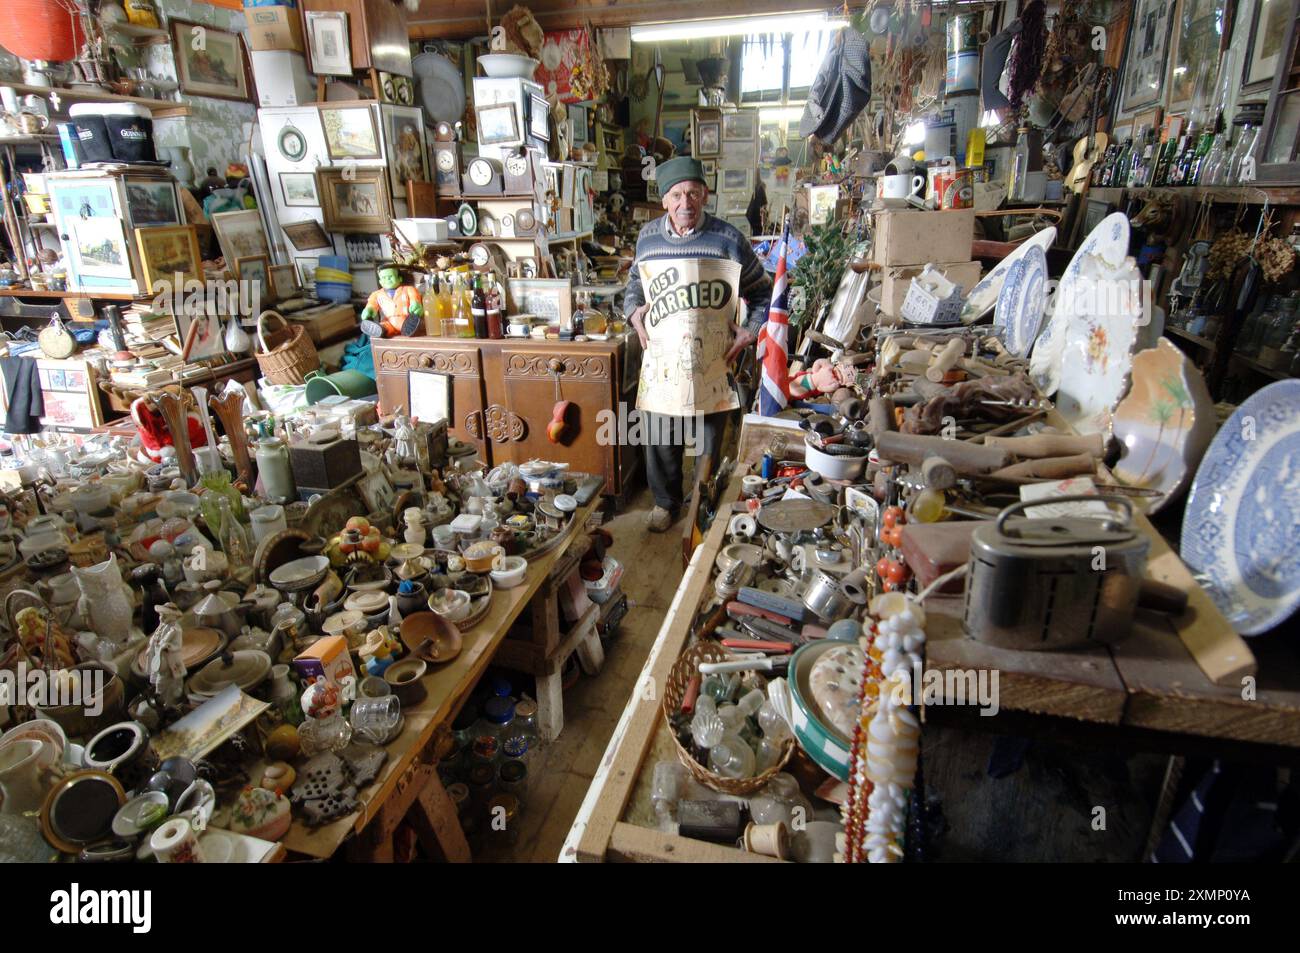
(409, 778)
(1149, 689)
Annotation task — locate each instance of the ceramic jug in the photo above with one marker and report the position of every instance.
(20, 776)
(105, 600)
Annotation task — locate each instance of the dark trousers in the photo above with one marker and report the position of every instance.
(666, 440)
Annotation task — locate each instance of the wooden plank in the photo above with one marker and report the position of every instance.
(1083, 685)
(612, 786)
(468, 18)
(634, 844)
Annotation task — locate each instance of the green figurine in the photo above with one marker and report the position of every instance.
(396, 306)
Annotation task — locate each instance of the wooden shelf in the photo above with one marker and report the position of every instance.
(1201, 342)
(140, 32)
(1259, 368)
(161, 108)
(1227, 194)
(94, 295)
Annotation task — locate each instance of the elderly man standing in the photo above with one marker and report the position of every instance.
(691, 271)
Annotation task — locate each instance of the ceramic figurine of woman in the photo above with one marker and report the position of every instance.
(404, 438)
(166, 661)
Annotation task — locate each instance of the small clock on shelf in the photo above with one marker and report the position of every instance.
(446, 158)
(483, 176)
(467, 219)
(520, 178)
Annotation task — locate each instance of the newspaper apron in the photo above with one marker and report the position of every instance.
(689, 325)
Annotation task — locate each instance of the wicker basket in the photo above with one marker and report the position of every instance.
(287, 355)
(685, 668)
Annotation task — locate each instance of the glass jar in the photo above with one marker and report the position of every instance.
(462, 727)
(1256, 326)
(497, 717)
(481, 780)
(513, 778)
(526, 720)
(485, 750)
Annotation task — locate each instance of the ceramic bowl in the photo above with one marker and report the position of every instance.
(373, 686)
(351, 624)
(141, 813)
(404, 678)
(509, 572)
(247, 669)
(451, 604)
(106, 697)
(480, 556)
(834, 467)
(429, 637)
(299, 574)
(404, 551)
(507, 65)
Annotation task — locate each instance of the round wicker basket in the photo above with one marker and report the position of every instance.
(685, 668)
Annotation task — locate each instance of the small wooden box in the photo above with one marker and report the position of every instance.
(324, 465)
(910, 237)
(326, 323)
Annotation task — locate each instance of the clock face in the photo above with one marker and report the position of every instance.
(446, 160)
(479, 255)
(517, 165)
(507, 221)
(525, 219)
(468, 220)
(443, 132)
(480, 172)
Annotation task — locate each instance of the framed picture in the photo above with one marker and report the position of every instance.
(539, 116)
(377, 493)
(307, 235)
(1147, 119)
(240, 234)
(577, 124)
(255, 268)
(430, 395)
(1093, 215)
(408, 157)
(291, 143)
(71, 394)
(299, 189)
(100, 248)
(216, 69)
(327, 35)
(738, 180)
(151, 202)
(822, 200)
(166, 251)
(208, 339)
(354, 200)
(711, 204)
(1194, 48)
(1267, 36)
(740, 126)
(306, 269)
(1286, 131)
(710, 166)
(498, 125)
(548, 298)
(708, 138)
(284, 281)
(1146, 52)
(350, 132)
(739, 155)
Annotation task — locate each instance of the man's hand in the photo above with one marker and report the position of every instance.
(744, 338)
(635, 320)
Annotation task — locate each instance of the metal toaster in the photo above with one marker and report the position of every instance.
(1054, 583)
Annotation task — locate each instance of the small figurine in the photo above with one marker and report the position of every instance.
(166, 662)
(396, 306)
(404, 437)
(823, 377)
(379, 651)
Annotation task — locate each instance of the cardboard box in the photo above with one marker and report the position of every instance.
(910, 237)
(894, 281)
(326, 658)
(282, 79)
(274, 28)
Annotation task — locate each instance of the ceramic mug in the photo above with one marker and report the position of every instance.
(899, 186)
(174, 842)
(900, 165)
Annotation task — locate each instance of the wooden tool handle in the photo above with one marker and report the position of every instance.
(1043, 445)
(880, 415)
(1050, 468)
(945, 360)
(964, 457)
(938, 473)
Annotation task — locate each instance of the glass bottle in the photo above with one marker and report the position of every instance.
(460, 309)
(1249, 119)
(478, 308)
(233, 537)
(1203, 147)
(1118, 173)
(495, 321)
(1019, 166)
(1165, 156)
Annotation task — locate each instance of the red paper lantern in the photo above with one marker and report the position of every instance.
(41, 29)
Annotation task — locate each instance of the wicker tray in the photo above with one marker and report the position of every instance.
(685, 668)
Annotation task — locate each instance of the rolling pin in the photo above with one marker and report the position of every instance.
(945, 360)
(964, 457)
(1043, 445)
(1050, 468)
(938, 473)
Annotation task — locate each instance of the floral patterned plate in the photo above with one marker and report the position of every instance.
(1164, 424)
(984, 296)
(1021, 302)
(1240, 536)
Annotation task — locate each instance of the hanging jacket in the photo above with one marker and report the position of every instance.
(841, 90)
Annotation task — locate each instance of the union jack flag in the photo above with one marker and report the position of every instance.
(773, 340)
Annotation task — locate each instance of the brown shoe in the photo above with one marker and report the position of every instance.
(658, 519)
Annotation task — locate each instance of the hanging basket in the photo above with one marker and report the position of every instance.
(42, 29)
(287, 354)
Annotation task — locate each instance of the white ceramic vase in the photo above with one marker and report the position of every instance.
(20, 777)
(105, 600)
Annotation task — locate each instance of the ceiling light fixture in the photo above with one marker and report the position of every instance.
(737, 26)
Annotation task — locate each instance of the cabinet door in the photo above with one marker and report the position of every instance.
(395, 362)
(587, 381)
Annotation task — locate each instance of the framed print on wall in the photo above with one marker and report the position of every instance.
(350, 132)
(327, 35)
(166, 251)
(284, 281)
(740, 126)
(498, 125)
(1147, 51)
(240, 234)
(1194, 48)
(354, 200)
(1267, 38)
(404, 138)
(539, 115)
(307, 235)
(217, 69)
(299, 189)
(708, 138)
(151, 202)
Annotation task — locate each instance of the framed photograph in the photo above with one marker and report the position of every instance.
(377, 493)
(548, 298)
(740, 126)
(151, 202)
(1267, 35)
(1147, 119)
(327, 35)
(240, 234)
(738, 180)
(710, 166)
(739, 155)
(100, 248)
(284, 281)
(1194, 47)
(299, 189)
(209, 339)
(350, 132)
(306, 269)
(577, 124)
(166, 251)
(430, 395)
(292, 143)
(255, 268)
(498, 125)
(307, 235)
(217, 68)
(71, 394)
(408, 156)
(822, 200)
(708, 138)
(539, 114)
(354, 200)
(1093, 215)
(1146, 53)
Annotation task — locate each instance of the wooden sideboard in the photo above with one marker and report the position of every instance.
(502, 394)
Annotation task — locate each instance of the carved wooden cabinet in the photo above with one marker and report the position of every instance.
(502, 395)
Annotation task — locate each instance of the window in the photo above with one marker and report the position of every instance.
(780, 67)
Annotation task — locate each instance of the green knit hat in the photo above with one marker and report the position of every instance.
(681, 169)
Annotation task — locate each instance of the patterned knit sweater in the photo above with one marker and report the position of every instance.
(713, 239)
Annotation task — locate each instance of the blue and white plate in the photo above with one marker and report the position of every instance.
(1021, 301)
(984, 296)
(1241, 529)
